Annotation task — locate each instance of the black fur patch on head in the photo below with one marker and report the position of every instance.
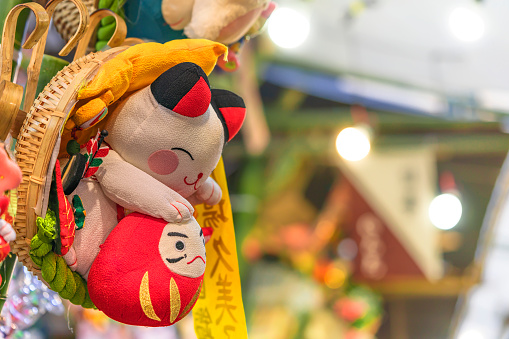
(173, 85)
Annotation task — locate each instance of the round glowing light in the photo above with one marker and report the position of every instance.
(347, 249)
(445, 211)
(466, 24)
(353, 144)
(472, 334)
(334, 278)
(288, 28)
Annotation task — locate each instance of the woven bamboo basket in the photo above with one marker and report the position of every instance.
(37, 140)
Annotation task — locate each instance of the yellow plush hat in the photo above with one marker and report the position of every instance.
(131, 70)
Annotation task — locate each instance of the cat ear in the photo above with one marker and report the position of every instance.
(230, 109)
(184, 89)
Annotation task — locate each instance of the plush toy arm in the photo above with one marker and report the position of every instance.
(209, 193)
(7, 231)
(135, 190)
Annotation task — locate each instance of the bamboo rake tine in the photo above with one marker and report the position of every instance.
(34, 67)
(11, 95)
(8, 34)
(84, 20)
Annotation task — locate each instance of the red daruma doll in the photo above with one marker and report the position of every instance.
(148, 271)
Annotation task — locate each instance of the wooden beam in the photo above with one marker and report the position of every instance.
(449, 286)
(338, 118)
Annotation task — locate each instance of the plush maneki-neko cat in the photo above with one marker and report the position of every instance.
(165, 140)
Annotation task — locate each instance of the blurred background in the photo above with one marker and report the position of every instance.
(368, 185)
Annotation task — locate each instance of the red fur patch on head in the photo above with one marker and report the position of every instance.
(116, 275)
(196, 101)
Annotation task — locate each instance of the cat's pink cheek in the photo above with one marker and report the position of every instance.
(163, 162)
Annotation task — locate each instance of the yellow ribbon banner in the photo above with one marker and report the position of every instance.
(219, 311)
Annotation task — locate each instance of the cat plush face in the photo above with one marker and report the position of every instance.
(175, 129)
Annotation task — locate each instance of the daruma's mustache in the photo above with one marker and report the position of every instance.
(197, 257)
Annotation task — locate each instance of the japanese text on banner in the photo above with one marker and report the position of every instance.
(219, 311)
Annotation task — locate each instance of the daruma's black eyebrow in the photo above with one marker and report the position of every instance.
(177, 234)
(201, 232)
(183, 150)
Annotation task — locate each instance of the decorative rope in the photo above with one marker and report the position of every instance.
(70, 285)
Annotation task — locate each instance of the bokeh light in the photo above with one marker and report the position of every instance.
(334, 278)
(445, 211)
(466, 24)
(353, 143)
(288, 28)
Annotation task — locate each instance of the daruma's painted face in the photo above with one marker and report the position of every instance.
(182, 248)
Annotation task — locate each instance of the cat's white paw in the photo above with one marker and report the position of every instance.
(177, 210)
(209, 193)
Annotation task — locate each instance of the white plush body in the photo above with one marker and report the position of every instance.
(142, 134)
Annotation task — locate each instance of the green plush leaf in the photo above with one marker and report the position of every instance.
(105, 3)
(100, 44)
(96, 162)
(46, 227)
(87, 303)
(36, 260)
(42, 250)
(79, 296)
(107, 21)
(117, 6)
(35, 243)
(70, 286)
(79, 212)
(58, 283)
(106, 32)
(49, 266)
